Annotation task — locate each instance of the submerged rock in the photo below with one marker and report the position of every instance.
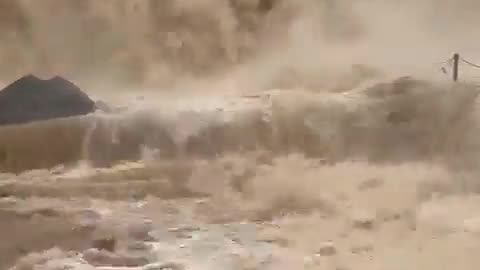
(32, 99)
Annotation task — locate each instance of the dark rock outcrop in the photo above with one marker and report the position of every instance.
(32, 99)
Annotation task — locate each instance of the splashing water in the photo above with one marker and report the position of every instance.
(245, 134)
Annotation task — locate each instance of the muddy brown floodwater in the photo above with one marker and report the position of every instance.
(280, 180)
(244, 134)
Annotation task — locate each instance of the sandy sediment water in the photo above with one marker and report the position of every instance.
(245, 134)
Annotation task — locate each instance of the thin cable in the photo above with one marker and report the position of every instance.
(470, 63)
(443, 65)
(449, 62)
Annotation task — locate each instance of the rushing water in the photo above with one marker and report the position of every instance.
(246, 134)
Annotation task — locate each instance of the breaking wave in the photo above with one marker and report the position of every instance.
(273, 134)
(402, 120)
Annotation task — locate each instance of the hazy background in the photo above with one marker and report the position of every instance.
(151, 43)
(386, 175)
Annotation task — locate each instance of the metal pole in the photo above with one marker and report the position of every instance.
(456, 58)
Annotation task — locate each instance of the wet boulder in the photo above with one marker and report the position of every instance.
(32, 99)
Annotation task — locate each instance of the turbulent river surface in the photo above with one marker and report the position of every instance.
(244, 134)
